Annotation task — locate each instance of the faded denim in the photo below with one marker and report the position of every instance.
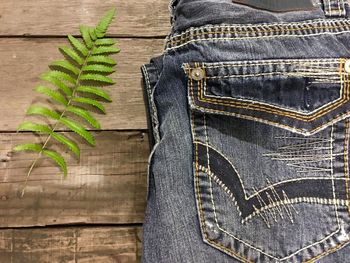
(248, 113)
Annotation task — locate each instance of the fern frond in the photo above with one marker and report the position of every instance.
(85, 115)
(91, 102)
(85, 64)
(78, 45)
(93, 34)
(105, 50)
(57, 158)
(53, 94)
(98, 78)
(34, 127)
(96, 91)
(97, 68)
(103, 25)
(60, 75)
(101, 59)
(72, 54)
(85, 32)
(65, 65)
(79, 129)
(34, 147)
(58, 83)
(67, 142)
(43, 111)
(105, 42)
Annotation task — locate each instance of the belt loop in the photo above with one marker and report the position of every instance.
(334, 8)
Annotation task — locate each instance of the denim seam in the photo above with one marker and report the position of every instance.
(346, 168)
(242, 31)
(290, 128)
(258, 28)
(154, 115)
(259, 250)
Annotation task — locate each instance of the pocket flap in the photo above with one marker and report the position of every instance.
(300, 95)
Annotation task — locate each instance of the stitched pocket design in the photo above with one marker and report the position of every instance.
(270, 157)
(304, 96)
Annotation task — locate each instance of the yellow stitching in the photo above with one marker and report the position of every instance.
(310, 74)
(272, 109)
(327, 252)
(242, 32)
(201, 210)
(290, 128)
(346, 168)
(277, 62)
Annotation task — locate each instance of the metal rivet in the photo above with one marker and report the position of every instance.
(347, 66)
(197, 74)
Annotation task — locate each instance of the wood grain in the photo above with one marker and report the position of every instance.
(107, 186)
(71, 245)
(47, 17)
(23, 60)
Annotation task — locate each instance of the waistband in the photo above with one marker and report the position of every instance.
(194, 20)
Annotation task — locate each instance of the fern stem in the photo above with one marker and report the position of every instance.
(77, 83)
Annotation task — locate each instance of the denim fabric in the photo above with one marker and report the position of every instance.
(249, 123)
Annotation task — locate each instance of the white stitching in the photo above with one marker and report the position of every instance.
(258, 37)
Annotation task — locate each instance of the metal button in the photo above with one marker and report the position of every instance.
(197, 74)
(347, 66)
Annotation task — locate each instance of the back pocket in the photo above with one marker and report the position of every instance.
(270, 142)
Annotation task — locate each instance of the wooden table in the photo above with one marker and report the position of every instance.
(96, 214)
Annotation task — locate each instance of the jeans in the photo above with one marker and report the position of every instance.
(248, 110)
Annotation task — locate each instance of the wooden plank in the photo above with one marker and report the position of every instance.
(108, 185)
(71, 245)
(23, 60)
(47, 17)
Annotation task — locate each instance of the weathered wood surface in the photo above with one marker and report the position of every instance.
(71, 245)
(23, 60)
(107, 186)
(47, 17)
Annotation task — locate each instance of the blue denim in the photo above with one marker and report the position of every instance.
(248, 112)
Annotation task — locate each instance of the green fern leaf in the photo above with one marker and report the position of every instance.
(96, 91)
(34, 147)
(57, 158)
(97, 77)
(43, 111)
(58, 83)
(92, 34)
(98, 68)
(105, 42)
(79, 129)
(72, 54)
(67, 142)
(105, 50)
(60, 75)
(34, 127)
(65, 65)
(91, 102)
(103, 25)
(86, 36)
(85, 115)
(78, 45)
(101, 59)
(53, 94)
